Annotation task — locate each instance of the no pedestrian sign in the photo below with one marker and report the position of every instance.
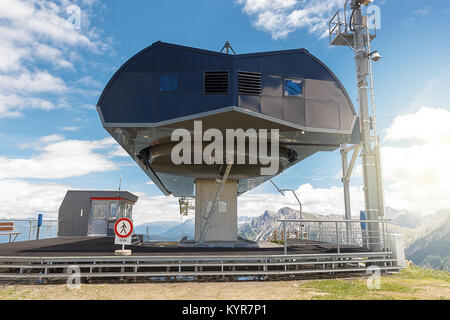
(123, 228)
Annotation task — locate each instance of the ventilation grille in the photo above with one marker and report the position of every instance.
(249, 83)
(216, 82)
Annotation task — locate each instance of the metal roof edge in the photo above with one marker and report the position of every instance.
(223, 110)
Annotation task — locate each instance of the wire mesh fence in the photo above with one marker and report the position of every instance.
(361, 233)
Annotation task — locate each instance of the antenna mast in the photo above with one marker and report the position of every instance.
(227, 47)
(355, 33)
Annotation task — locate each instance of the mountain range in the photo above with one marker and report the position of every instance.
(430, 246)
(261, 227)
(166, 230)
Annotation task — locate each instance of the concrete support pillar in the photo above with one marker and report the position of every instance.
(223, 227)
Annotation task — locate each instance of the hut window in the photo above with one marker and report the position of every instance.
(168, 83)
(293, 87)
(99, 210)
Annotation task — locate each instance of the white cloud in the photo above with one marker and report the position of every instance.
(416, 164)
(40, 81)
(46, 19)
(89, 107)
(118, 151)
(71, 128)
(155, 208)
(36, 44)
(281, 17)
(90, 82)
(42, 141)
(432, 93)
(314, 200)
(423, 12)
(12, 104)
(426, 125)
(59, 158)
(51, 138)
(20, 199)
(52, 55)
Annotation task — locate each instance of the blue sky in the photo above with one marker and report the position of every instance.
(51, 77)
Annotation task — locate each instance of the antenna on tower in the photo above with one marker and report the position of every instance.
(120, 182)
(227, 47)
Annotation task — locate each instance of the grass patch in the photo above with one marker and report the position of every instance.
(336, 289)
(418, 273)
(393, 286)
(357, 289)
(13, 294)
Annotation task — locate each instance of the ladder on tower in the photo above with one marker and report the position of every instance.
(211, 209)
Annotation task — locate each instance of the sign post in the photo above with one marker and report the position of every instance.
(38, 226)
(123, 228)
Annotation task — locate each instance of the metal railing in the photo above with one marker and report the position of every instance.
(336, 26)
(28, 229)
(339, 232)
(16, 268)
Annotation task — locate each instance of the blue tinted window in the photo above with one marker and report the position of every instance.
(168, 83)
(293, 87)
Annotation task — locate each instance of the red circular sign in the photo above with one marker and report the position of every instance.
(123, 228)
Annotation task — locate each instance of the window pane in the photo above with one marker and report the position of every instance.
(122, 210)
(293, 87)
(129, 211)
(113, 212)
(99, 210)
(168, 83)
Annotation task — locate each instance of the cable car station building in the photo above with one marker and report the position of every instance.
(166, 87)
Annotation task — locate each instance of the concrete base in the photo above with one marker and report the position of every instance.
(122, 252)
(223, 228)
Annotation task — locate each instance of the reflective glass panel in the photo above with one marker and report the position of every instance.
(293, 87)
(168, 83)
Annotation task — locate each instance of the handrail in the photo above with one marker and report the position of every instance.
(28, 220)
(352, 220)
(340, 240)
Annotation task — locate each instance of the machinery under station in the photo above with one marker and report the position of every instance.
(287, 105)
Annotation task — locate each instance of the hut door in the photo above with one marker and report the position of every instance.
(98, 221)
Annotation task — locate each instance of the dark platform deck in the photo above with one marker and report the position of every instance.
(104, 246)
